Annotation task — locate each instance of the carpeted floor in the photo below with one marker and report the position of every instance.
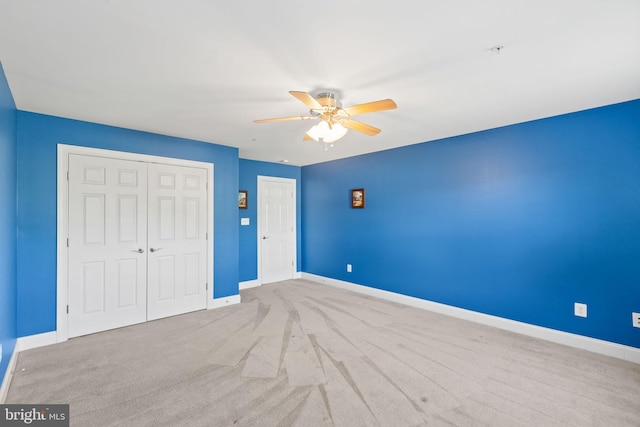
(298, 353)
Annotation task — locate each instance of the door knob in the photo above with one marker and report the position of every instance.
(139, 250)
(154, 249)
(264, 237)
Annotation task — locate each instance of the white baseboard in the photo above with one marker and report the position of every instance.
(35, 341)
(24, 344)
(248, 284)
(224, 301)
(594, 345)
(297, 275)
(8, 375)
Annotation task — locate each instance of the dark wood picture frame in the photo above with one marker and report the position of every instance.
(357, 198)
(243, 199)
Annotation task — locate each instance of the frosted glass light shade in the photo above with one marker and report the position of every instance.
(336, 132)
(322, 131)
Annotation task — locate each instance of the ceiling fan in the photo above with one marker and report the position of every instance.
(335, 121)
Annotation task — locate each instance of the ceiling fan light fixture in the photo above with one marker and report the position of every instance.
(317, 131)
(335, 121)
(336, 132)
(327, 133)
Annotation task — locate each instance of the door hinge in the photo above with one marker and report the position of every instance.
(206, 236)
(67, 309)
(67, 242)
(67, 175)
(206, 286)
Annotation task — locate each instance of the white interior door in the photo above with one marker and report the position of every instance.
(177, 228)
(107, 243)
(276, 228)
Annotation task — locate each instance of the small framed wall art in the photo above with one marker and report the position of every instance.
(357, 198)
(243, 199)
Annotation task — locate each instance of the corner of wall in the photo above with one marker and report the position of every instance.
(8, 232)
(8, 374)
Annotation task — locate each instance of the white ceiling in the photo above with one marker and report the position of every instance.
(206, 69)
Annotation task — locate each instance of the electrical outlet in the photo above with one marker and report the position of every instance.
(580, 309)
(635, 320)
(349, 268)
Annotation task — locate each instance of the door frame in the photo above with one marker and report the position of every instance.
(62, 263)
(294, 207)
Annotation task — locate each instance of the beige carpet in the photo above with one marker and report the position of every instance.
(298, 353)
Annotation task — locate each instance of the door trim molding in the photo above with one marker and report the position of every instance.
(62, 263)
(261, 180)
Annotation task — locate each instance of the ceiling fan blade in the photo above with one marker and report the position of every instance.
(284, 119)
(361, 127)
(306, 99)
(370, 107)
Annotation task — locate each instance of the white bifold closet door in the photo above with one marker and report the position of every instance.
(177, 227)
(137, 242)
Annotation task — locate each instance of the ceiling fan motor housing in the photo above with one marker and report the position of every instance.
(332, 111)
(328, 99)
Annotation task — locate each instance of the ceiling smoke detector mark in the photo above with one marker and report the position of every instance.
(497, 49)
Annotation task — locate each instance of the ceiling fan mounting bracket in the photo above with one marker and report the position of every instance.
(328, 99)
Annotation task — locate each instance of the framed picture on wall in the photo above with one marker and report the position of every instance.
(357, 198)
(243, 198)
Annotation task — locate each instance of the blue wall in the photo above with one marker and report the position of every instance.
(8, 141)
(249, 171)
(518, 222)
(38, 136)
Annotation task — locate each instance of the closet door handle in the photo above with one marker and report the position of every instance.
(154, 249)
(264, 237)
(139, 250)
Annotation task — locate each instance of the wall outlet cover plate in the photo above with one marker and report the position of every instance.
(580, 309)
(635, 319)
